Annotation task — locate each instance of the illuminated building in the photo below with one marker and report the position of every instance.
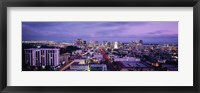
(80, 61)
(90, 43)
(127, 59)
(77, 66)
(116, 45)
(42, 56)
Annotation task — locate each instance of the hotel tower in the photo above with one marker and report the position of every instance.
(42, 56)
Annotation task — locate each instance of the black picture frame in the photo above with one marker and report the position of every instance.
(99, 3)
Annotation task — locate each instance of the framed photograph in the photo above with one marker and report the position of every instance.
(134, 46)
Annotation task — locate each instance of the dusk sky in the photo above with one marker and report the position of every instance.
(149, 32)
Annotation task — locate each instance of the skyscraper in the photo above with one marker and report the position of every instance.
(116, 45)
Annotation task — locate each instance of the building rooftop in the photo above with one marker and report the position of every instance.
(77, 64)
(128, 64)
(42, 49)
(95, 65)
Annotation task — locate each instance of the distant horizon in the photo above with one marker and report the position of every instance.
(149, 32)
(111, 41)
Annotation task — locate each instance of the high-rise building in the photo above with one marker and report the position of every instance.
(84, 42)
(79, 42)
(116, 45)
(141, 41)
(42, 56)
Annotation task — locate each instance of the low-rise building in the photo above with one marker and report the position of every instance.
(98, 67)
(76, 66)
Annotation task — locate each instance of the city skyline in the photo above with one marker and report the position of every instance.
(150, 32)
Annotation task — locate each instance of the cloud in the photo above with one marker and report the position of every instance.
(111, 24)
(158, 32)
(98, 30)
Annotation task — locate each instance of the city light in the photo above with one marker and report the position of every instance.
(100, 46)
(115, 56)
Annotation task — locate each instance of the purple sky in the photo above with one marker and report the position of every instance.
(150, 32)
